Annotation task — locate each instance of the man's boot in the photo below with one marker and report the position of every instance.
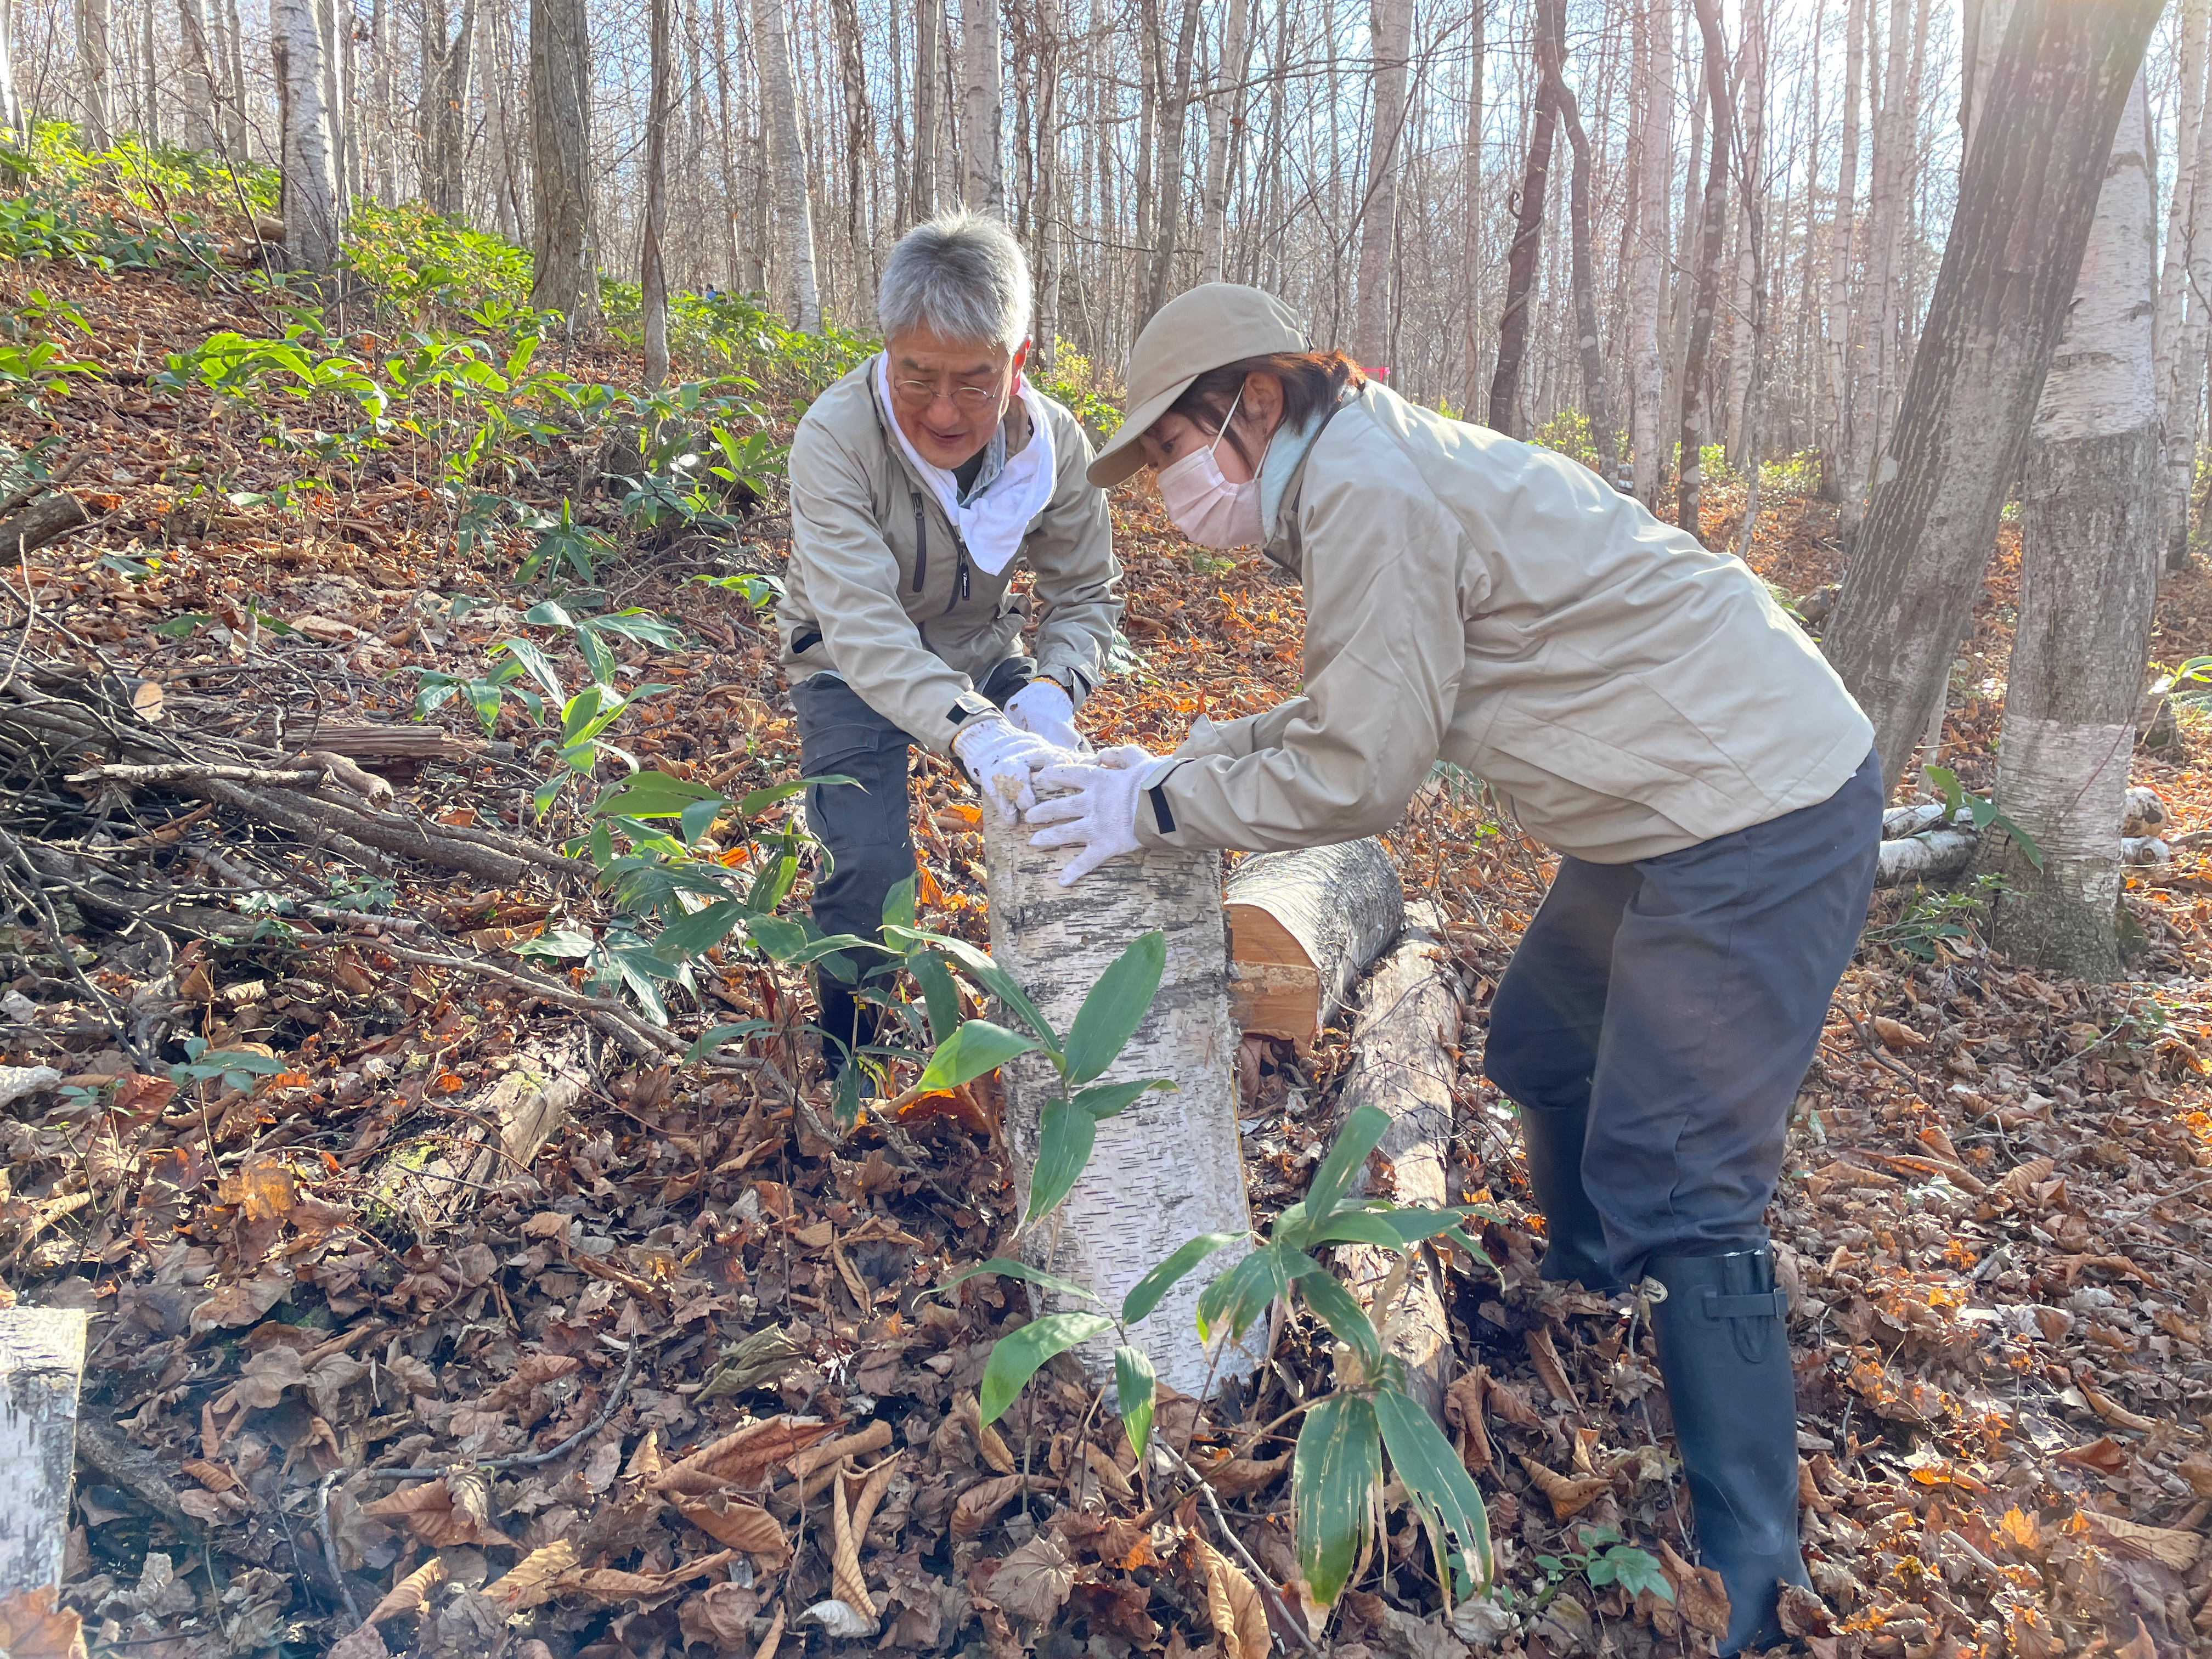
(1724, 1354)
(847, 1023)
(1574, 1248)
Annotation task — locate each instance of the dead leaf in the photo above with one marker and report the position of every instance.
(362, 1644)
(240, 1305)
(1568, 1496)
(1463, 1403)
(1232, 1602)
(741, 1457)
(1549, 1371)
(31, 1627)
(429, 1512)
(1896, 1035)
(979, 1505)
(1699, 1596)
(411, 1593)
(719, 1616)
(2106, 1456)
(2164, 1545)
(529, 1581)
(740, 1525)
(2111, 1410)
(1034, 1581)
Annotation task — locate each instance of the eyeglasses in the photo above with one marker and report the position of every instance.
(920, 394)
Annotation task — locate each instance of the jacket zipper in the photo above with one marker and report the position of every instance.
(920, 541)
(959, 580)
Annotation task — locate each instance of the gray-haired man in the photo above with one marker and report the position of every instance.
(918, 482)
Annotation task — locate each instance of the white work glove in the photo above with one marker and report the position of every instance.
(1043, 707)
(1098, 812)
(1000, 756)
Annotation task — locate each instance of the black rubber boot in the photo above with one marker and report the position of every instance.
(847, 1023)
(1725, 1356)
(1575, 1248)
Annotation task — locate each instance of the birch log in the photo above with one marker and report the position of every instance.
(42, 1360)
(1303, 927)
(1409, 1019)
(428, 1183)
(1168, 1168)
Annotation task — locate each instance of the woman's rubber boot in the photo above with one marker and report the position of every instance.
(1574, 1247)
(1724, 1353)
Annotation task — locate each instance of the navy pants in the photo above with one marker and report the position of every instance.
(1677, 1002)
(864, 828)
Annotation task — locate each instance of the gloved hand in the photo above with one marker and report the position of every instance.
(1000, 756)
(1098, 812)
(1043, 707)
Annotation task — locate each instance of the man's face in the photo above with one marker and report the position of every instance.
(948, 396)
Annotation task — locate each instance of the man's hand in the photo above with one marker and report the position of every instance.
(1098, 812)
(1000, 756)
(1043, 707)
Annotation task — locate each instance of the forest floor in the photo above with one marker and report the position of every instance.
(1997, 1186)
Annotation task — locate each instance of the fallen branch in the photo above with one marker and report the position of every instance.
(647, 1042)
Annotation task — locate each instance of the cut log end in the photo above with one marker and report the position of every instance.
(1303, 927)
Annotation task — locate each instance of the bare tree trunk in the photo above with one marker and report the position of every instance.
(1391, 33)
(447, 63)
(1050, 201)
(2180, 332)
(1682, 289)
(859, 130)
(1602, 435)
(1689, 475)
(563, 214)
(1470, 184)
(1528, 227)
(653, 274)
(1225, 116)
(235, 135)
(337, 94)
(1835, 449)
(928, 30)
(2026, 200)
(149, 124)
(312, 206)
(1167, 195)
(11, 106)
(94, 47)
(794, 213)
(1753, 183)
(1655, 160)
(2088, 577)
(982, 109)
(384, 161)
(496, 151)
(196, 94)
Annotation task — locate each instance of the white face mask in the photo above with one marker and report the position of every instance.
(1205, 506)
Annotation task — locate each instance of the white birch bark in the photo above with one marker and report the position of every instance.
(42, 1370)
(982, 109)
(1391, 35)
(1838, 444)
(2182, 294)
(1894, 134)
(197, 92)
(11, 106)
(150, 100)
(653, 274)
(1169, 1168)
(1225, 107)
(786, 153)
(2089, 575)
(313, 210)
(1744, 343)
(563, 217)
(1654, 141)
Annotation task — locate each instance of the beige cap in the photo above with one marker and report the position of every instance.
(1212, 325)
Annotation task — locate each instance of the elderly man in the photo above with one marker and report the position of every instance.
(918, 484)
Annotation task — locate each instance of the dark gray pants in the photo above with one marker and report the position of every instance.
(864, 829)
(1678, 1001)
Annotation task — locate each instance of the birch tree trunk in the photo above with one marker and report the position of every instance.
(1470, 172)
(1893, 134)
(95, 61)
(1648, 284)
(447, 63)
(1835, 449)
(2088, 577)
(1225, 117)
(2026, 200)
(149, 108)
(928, 31)
(2185, 415)
(1746, 339)
(1528, 227)
(499, 181)
(1169, 1168)
(982, 109)
(652, 273)
(786, 153)
(2180, 335)
(11, 106)
(1602, 434)
(308, 160)
(235, 135)
(1689, 474)
(1391, 32)
(1050, 200)
(563, 211)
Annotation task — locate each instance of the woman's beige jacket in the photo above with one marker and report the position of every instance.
(1470, 599)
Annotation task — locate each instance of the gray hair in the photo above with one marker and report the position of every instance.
(961, 275)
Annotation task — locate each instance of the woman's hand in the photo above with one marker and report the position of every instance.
(1094, 806)
(1000, 756)
(1043, 707)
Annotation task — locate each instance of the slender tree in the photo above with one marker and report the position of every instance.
(1588, 340)
(563, 216)
(928, 30)
(1224, 118)
(1391, 32)
(447, 61)
(1689, 475)
(1528, 224)
(2026, 199)
(95, 61)
(794, 212)
(198, 90)
(652, 271)
(1167, 193)
(983, 108)
(1655, 164)
(314, 207)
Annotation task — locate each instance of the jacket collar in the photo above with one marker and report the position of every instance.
(1282, 476)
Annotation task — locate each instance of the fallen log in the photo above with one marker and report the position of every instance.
(41, 1367)
(47, 519)
(1402, 1041)
(1303, 927)
(1169, 1168)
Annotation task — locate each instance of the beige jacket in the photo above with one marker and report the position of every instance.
(1474, 600)
(880, 592)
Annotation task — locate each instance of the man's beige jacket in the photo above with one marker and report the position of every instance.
(880, 592)
(1473, 599)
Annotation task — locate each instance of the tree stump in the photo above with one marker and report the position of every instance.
(42, 1362)
(1303, 927)
(1168, 1168)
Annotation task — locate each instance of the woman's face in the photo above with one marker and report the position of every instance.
(1172, 437)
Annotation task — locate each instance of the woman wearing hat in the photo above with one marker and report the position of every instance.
(1639, 704)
